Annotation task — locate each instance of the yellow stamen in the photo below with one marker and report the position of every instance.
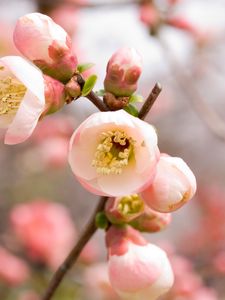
(113, 152)
(12, 92)
(132, 204)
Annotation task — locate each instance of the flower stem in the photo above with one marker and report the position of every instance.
(150, 101)
(88, 232)
(92, 96)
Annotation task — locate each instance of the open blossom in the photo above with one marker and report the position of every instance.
(47, 44)
(123, 71)
(22, 98)
(45, 229)
(124, 209)
(137, 269)
(13, 270)
(173, 185)
(114, 153)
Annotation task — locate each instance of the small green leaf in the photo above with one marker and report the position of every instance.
(100, 93)
(84, 67)
(132, 110)
(101, 220)
(89, 84)
(136, 98)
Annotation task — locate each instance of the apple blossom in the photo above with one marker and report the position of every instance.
(47, 44)
(22, 98)
(114, 153)
(45, 229)
(124, 209)
(123, 70)
(173, 185)
(151, 220)
(137, 269)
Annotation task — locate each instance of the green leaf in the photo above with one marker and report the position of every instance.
(100, 93)
(84, 67)
(89, 84)
(136, 98)
(101, 220)
(132, 110)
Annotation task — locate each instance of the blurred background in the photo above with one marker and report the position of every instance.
(43, 208)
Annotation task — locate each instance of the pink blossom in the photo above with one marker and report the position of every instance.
(114, 153)
(173, 186)
(45, 229)
(123, 71)
(137, 269)
(22, 98)
(47, 44)
(124, 209)
(13, 270)
(90, 252)
(149, 14)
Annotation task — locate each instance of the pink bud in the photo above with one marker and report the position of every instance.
(172, 187)
(151, 221)
(47, 44)
(149, 15)
(124, 209)
(54, 95)
(137, 270)
(123, 71)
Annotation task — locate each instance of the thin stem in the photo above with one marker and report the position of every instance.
(88, 232)
(150, 101)
(97, 101)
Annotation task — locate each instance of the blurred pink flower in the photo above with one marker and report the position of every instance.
(22, 98)
(28, 295)
(114, 153)
(172, 187)
(45, 229)
(123, 71)
(47, 44)
(96, 283)
(90, 253)
(13, 270)
(137, 270)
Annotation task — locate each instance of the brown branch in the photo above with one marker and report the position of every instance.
(150, 101)
(97, 101)
(75, 252)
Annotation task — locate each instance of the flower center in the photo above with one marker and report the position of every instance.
(113, 152)
(12, 92)
(132, 204)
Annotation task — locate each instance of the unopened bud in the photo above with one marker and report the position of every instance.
(115, 103)
(123, 71)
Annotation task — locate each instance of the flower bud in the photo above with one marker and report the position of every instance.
(124, 209)
(54, 95)
(123, 71)
(73, 89)
(173, 185)
(47, 44)
(151, 221)
(137, 269)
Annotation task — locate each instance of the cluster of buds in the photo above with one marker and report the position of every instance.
(112, 153)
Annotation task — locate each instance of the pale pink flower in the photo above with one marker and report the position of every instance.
(173, 185)
(22, 98)
(45, 229)
(124, 209)
(114, 153)
(96, 283)
(149, 14)
(137, 269)
(90, 252)
(123, 71)
(13, 270)
(47, 44)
